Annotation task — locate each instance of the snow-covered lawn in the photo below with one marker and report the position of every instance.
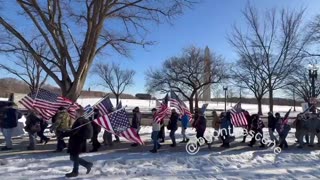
(125, 162)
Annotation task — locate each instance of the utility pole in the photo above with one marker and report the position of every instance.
(225, 98)
(294, 100)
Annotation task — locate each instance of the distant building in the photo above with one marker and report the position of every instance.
(143, 96)
(206, 96)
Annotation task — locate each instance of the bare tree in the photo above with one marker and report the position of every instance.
(184, 74)
(76, 31)
(114, 78)
(246, 75)
(278, 38)
(25, 68)
(300, 84)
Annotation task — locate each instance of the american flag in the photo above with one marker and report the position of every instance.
(179, 105)
(47, 103)
(163, 110)
(105, 106)
(118, 123)
(285, 120)
(238, 118)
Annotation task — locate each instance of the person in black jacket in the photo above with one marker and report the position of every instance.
(78, 143)
(8, 121)
(96, 130)
(173, 126)
(200, 125)
(272, 121)
(257, 126)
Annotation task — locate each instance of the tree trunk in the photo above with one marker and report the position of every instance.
(117, 99)
(259, 100)
(196, 99)
(270, 100)
(191, 105)
(72, 90)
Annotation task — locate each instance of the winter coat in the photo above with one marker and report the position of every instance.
(155, 125)
(201, 124)
(62, 121)
(10, 117)
(173, 122)
(77, 140)
(257, 124)
(226, 125)
(31, 120)
(272, 122)
(136, 120)
(216, 121)
(184, 121)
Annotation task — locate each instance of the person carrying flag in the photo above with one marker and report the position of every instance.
(155, 132)
(283, 129)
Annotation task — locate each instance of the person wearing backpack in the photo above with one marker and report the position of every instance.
(32, 127)
(62, 122)
(79, 133)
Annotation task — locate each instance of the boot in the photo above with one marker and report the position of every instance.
(89, 168)
(72, 174)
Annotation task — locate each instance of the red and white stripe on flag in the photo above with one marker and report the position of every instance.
(238, 119)
(130, 133)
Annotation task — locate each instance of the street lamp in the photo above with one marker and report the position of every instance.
(313, 76)
(225, 98)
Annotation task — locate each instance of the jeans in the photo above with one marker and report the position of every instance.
(32, 140)
(272, 136)
(7, 133)
(172, 136)
(154, 137)
(183, 132)
(76, 161)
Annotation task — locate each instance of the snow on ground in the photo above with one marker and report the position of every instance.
(125, 162)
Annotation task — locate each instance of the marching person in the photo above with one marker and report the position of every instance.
(283, 129)
(43, 125)
(216, 123)
(155, 132)
(33, 126)
(272, 121)
(62, 122)
(96, 130)
(136, 122)
(81, 131)
(173, 126)
(226, 130)
(200, 125)
(184, 125)
(8, 121)
(257, 126)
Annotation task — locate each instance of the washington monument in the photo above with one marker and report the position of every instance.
(207, 89)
